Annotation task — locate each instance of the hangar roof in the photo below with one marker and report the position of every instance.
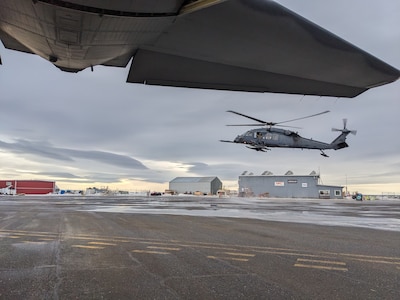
(288, 173)
(193, 179)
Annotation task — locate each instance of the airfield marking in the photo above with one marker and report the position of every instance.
(378, 261)
(322, 261)
(102, 243)
(321, 267)
(150, 252)
(87, 247)
(228, 258)
(235, 256)
(239, 254)
(16, 234)
(28, 233)
(34, 243)
(370, 256)
(163, 248)
(289, 253)
(320, 264)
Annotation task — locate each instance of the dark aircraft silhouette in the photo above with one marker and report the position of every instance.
(262, 139)
(239, 45)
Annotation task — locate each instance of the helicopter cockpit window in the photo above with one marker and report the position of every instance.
(258, 135)
(249, 133)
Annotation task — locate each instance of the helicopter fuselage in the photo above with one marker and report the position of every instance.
(276, 137)
(262, 139)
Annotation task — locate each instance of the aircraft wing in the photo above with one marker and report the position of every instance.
(257, 46)
(239, 45)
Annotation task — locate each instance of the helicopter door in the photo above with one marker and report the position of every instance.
(258, 135)
(271, 136)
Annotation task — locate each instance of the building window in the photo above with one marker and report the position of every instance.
(338, 193)
(324, 194)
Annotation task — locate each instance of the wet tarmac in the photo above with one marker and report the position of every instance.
(198, 248)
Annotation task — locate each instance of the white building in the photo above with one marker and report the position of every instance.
(287, 186)
(191, 185)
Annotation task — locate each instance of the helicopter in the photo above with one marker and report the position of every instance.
(262, 139)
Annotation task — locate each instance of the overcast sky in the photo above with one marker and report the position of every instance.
(94, 129)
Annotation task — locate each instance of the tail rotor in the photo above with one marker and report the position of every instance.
(345, 130)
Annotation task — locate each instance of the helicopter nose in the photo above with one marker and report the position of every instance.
(238, 139)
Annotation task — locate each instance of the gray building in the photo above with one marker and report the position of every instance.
(206, 185)
(287, 186)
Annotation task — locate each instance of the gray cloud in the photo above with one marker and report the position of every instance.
(45, 150)
(33, 148)
(56, 175)
(197, 167)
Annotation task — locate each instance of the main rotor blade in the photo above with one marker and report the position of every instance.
(246, 116)
(254, 125)
(258, 125)
(272, 123)
(314, 115)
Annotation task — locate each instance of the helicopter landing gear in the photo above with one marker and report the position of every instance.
(258, 148)
(323, 154)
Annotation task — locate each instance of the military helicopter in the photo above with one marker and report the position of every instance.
(262, 139)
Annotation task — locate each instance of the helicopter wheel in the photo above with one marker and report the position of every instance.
(324, 154)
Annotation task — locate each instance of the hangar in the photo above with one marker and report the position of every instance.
(28, 187)
(191, 185)
(287, 186)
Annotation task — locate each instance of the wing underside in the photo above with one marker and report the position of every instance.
(257, 46)
(240, 45)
